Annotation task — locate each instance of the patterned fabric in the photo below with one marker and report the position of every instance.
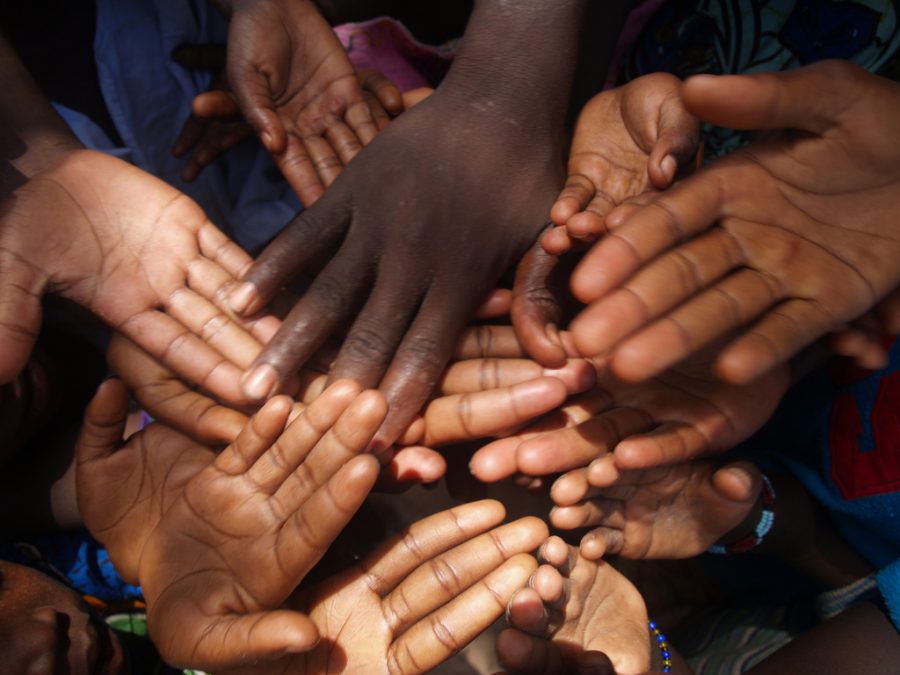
(688, 37)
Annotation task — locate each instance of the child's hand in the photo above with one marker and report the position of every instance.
(770, 247)
(629, 140)
(124, 488)
(683, 413)
(216, 124)
(420, 597)
(136, 252)
(576, 616)
(298, 90)
(668, 512)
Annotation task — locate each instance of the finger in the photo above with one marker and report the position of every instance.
(803, 99)
(190, 135)
(419, 360)
(285, 457)
(414, 97)
(395, 559)
(578, 446)
(304, 239)
(314, 525)
(214, 327)
(587, 514)
(344, 439)
(255, 99)
(780, 334)
(216, 104)
(576, 194)
(527, 613)
(256, 437)
(218, 138)
(495, 305)
(451, 419)
(249, 638)
(104, 423)
(523, 653)
(570, 488)
(324, 154)
(674, 216)
(369, 346)
(655, 290)
(557, 241)
(453, 626)
(333, 296)
(178, 349)
(200, 56)
(447, 576)
(218, 248)
(385, 91)
(344, 142)
(670, 443)
(866, 349)
(20, 312)
(489, 342)
(536, 311)
(713, 314)
(414, 464)
(601, 541)
(473, 375)
(168, 399)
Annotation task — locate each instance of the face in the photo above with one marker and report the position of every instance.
(47, 628)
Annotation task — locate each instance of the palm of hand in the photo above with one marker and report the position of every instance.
(400, 256)
(143, 257)
(123, 496)
(795, 237)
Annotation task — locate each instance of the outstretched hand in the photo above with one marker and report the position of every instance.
(768, 248)
(136, 252)
(629, 141)
(418, 598)
(241, 534)
(296, 87)
(419, 250)
(686, 412)
(216, 124)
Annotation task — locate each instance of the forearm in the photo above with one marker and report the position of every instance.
(517, 61)
(32, 135)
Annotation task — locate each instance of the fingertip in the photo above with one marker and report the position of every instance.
(243, 298)
(556, 241)
(563, 209)
(495, 461)
(260, 382)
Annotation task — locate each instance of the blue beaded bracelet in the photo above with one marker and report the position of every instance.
(763, 526)
(659, 639)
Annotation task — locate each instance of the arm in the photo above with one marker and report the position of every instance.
(467, 178)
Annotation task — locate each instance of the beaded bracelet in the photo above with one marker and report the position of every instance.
(763, 526)
(659, 639)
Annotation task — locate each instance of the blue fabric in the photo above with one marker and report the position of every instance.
(889, 585)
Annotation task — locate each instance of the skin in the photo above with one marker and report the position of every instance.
(46, 628)
(479, 397)
(216, 125)
(466, 179)
(767, 249)
(150, 267)
(297, 89)
(218, 552)
(628, 141)
(684, 413)
(418, 598)
(575, 615)
(670, 512)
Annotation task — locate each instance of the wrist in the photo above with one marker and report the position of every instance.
(751, 533)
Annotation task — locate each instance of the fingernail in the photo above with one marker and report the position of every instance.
(242, 297)
(260, 382)
(266, 138)
(669, 166)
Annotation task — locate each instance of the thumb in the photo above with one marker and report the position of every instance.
(678, 137)
(248, 638)
(104, 422)
(739, 482)
(808, 99)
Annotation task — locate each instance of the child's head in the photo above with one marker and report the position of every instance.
(45, 627)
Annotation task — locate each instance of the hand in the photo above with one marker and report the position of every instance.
(420, 597)
(769, 248)
(575, 616)
(420, 248)
(136, 252)
(216, 125)
(628, 141)
(683, 413)
(241, 533)
(296, 87)
(668, 512)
